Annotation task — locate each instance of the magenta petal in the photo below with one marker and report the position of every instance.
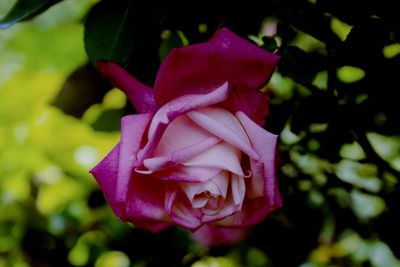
(181, 212)
(256, 209)
(153, 226)
(211, 236)
(145, 202)
(114, 172)
(132, 129)
(253, 103)
(264, 143)
(225, 57)
(140, 95)
(106, 173)
(143, 196)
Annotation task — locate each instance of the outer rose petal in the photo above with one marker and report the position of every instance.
(255, 210)
(132, 129)
(225, 57)
(146, 203)
(252, 103)
(128, 195)
(106, 173)
(140, 95)
(210, 236)
(265, 144)
(112, 173)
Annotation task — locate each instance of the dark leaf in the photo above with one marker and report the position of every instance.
(269, 44)
(108, 32)
(85, 85)
(299, 65)
(306, 17)
(286, 31)
(25, 9)
(108, 120)
(366, 38)
(317, 108)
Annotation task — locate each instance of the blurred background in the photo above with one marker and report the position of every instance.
(333, 103)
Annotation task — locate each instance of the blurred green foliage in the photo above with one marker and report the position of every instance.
(333, 103)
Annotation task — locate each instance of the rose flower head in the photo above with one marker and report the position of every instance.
(196, 155)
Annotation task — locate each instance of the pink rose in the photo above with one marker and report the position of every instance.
(196, 154)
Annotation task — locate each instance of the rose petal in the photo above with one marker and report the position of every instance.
(129, 195)
(132, 130)
(211, 236)
(233, 202)
(176, 107)
(199, 202)
(227, 210)
(181, 133)
(255, 183)
(256, 209)
(182, 140)
(140, 95)
(180, 210)
(252, 103)
(180, 156)
(227, 119)
(253, 212)
(145, 201)
(221, 156)
(186, 174)
(218, 186)
(238, 190)
(218, 129)
(265, 145)
(225, 57)
(106, 173)
(114, 171)
(153, 226)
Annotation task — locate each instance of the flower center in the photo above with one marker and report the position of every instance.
(208, 202)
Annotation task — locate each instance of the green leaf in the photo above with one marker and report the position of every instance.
(108, 32)
(25, 9)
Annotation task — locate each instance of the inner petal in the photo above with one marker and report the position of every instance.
(179, 156)
(181, 211)
(213, 206)
(180, 133)
(200, 200)
(238, 188)
(227, 119)
(215, 187)
(219, 129)
(186, 174)
(222, 155)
